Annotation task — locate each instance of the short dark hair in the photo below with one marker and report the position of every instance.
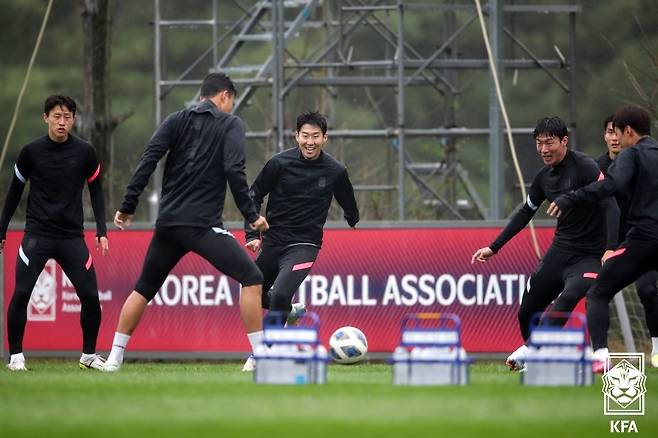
(609, 119)
(635, 117)
(59, 100)
(312, 118)
(216, 83)
(553, 126)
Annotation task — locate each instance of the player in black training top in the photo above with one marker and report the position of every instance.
(57, 165)
(573, 260)
(205, 146)
(645, 285)
(301, 183)
(635, 169)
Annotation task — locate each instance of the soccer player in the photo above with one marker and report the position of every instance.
(57, 165)
(634, 169)
(301, 182)
(573, 260)
(645, 285)
(205, 146)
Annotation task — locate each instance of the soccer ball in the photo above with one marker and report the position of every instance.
(348, 345)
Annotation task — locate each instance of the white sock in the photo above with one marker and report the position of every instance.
(255, 339)
(118, 347)
(18, 357)
(654, 346)
(87, 357)
(601, 354)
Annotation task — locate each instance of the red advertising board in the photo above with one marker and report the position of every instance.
(367, 278)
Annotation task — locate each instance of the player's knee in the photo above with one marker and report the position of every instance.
(647, 292)
(280, 302)
(252, 277)
(597, 294)
(89, 298)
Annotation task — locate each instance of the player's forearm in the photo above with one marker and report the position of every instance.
(98, 205)
(612, 218)
(11, 202)
(517, 223)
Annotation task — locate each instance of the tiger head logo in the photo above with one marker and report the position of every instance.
(42, 302)
(624, 384)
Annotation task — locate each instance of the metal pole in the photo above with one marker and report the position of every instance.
(157, 179)
(277, 75)
(496, 150)
(401, 114)
(215, 33)
(624, 322)
(573, 143)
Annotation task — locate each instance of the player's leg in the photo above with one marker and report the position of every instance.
(162, 255)
(543, 286)
(579, 276)
(267, 262)
(220, 248)
(648, 293)
(294, 266)
(32, 257)
(631, 260)
(76, 262)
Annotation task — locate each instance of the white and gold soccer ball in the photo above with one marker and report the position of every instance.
(348, 345)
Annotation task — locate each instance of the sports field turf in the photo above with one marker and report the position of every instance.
(55, 399)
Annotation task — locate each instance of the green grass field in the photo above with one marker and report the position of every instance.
(55, 399)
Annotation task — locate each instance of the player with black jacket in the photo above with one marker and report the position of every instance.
(205, 146)
(57, 165)
(301, 183)
(572, 262)
(635, 169)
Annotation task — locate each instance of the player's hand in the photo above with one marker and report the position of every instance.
(606, 255)
(253, 245)
(103, 244)
(122, 220)
(2, 245)
(554, 210)
(260, 225)
(482, 255)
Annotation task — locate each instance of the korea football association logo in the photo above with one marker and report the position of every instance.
(42, 303)
(624, 384)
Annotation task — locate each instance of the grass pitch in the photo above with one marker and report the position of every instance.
(56, 399)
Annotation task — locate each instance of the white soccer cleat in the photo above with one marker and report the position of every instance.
(654, 360)
(95, 363)
(298, 310)
(111, 366)
(516, 360)
(18, 365)
(250, 365)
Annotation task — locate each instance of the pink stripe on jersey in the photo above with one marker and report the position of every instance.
(590, 275)
(88, 264)
(620, 251)
(95, 175)
(301, 266)
(601, 177)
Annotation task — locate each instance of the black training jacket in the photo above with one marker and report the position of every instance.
(206, 150)
(586, 229)
(300, 193)
(634, 169)
(57, 173)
